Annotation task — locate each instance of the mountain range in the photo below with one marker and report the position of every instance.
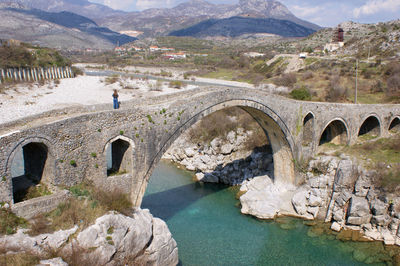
(161, 21)
(93, 25)
(236, 26)
(57, 30)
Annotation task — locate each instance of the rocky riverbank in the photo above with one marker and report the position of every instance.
(224, 160)
(341, 191)
(336, 190)
(114, 239)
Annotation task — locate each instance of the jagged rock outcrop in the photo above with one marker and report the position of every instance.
(341, 192)
(114, 239)
(224, 160)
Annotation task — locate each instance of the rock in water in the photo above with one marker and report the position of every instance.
(264, 199)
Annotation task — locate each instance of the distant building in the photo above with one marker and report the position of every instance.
(154, 48)
(119, 49)
(135, 48)
(337, 41)
(173, 56)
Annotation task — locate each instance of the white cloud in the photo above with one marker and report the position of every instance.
(145, 4)
(303, 11)
(119, 4)
(375, 6)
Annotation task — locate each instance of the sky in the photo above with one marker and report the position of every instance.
(327, 13)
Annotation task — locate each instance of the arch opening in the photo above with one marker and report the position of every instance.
(335, 132)
(278, 135)
(395, 125)
(119, 157)
(370, 126)
(31, 165)
(308, 125)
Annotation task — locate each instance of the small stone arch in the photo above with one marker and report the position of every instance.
(30, 163)
(308, 129)
(371, 126)
(335, 132)
(119, 155)
(395, 125)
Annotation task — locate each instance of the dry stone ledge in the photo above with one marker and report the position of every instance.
(114, 239)
(141, 239)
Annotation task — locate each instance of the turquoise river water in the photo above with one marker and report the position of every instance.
(206, 223)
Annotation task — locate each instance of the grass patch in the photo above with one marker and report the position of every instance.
(381, 155)
(226, 74)
(86, 206)
(37, 191)
(9, 222)
(25, 259)
(112, 79)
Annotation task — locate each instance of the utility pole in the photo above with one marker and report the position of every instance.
(355, 97)
(369, 51)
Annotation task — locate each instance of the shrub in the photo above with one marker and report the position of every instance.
(77, 71)
(308, 75)
(287, 80)
(39, 225)
(302, 94)
(72, 163)
(37, 191)
(393, 85)
(9, 222)
(176, 84)
(112, 79)
(336, 91)
(113, 200)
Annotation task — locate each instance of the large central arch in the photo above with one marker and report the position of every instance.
(276, 130)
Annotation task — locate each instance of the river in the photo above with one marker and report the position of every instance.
(206, 222)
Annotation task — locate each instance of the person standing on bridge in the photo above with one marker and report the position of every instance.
(115, 99)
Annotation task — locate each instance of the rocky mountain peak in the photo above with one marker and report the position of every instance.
(268, 8)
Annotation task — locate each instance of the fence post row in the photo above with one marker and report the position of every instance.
(35, 74)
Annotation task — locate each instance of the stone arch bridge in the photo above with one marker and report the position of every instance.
(64, 147)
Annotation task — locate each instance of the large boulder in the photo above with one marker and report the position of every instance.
(299, 201)
(359, 212)
(116, 239)
(378, 207)
(266, 200)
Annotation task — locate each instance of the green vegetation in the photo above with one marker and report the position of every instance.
(218, 124)
(150, 119)
(88, 203)
(121, 132)
(37, 191)
(301, 94)
(112, 79)
(18, 259)
(9, 222)
(93, 154)
(25, 55)
(176, 84)
(381, 155)
(72, 163)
